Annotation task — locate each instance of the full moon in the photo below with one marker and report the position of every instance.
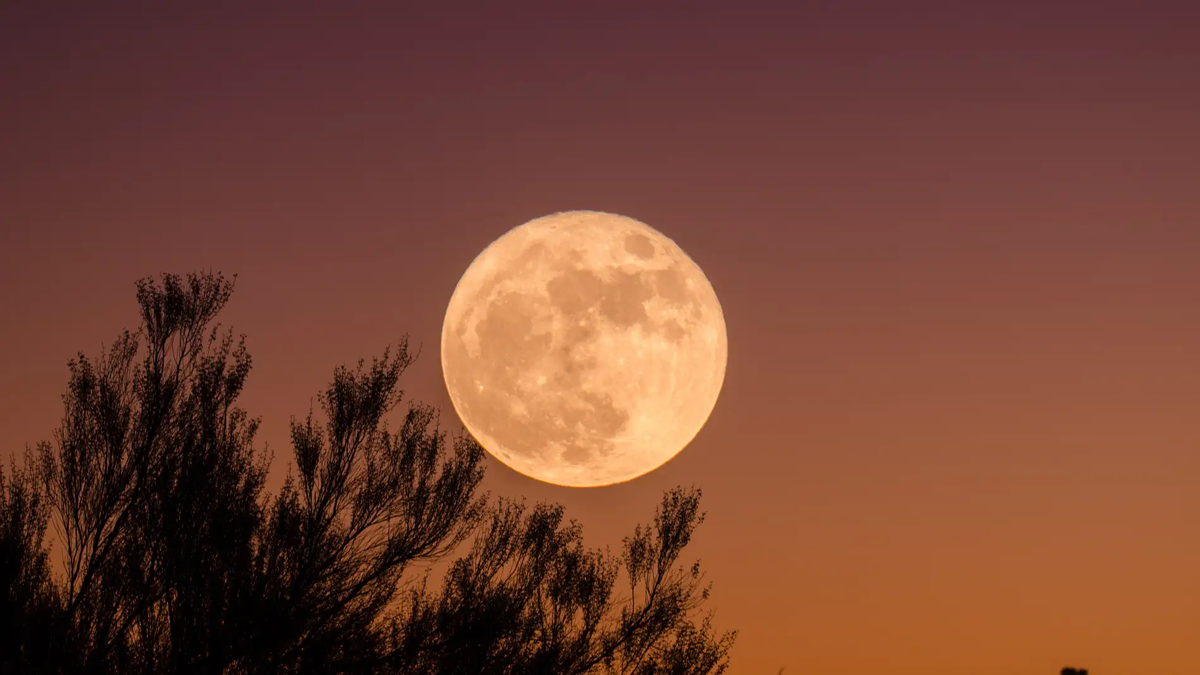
(584, 349)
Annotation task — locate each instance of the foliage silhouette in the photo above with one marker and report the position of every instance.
(28, 605)
(1074, 671)
(176, 560)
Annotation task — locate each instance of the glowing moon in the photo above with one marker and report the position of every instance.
(584, 349)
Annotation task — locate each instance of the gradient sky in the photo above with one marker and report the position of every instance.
(957, 247)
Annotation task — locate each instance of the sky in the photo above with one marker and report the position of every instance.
(955, 244)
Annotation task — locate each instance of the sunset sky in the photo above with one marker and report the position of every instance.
(957, 246)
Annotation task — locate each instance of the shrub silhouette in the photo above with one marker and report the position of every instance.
(176, 560)
(28, 604)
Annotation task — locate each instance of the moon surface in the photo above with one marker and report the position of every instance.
(584, 349)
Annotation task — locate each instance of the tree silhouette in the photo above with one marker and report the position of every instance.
(1074, 671)
(28, 604)
(529, 598)
(176, 560)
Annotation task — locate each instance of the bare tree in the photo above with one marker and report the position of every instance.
(175, 560)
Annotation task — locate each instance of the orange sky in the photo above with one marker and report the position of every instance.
(956, 244)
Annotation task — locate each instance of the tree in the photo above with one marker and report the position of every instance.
(28, 604)
(529, 598)
(176, 560)
(1074, 671)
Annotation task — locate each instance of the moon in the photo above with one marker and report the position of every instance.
(584, 349)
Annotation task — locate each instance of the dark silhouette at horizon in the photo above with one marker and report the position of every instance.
(175, 560)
